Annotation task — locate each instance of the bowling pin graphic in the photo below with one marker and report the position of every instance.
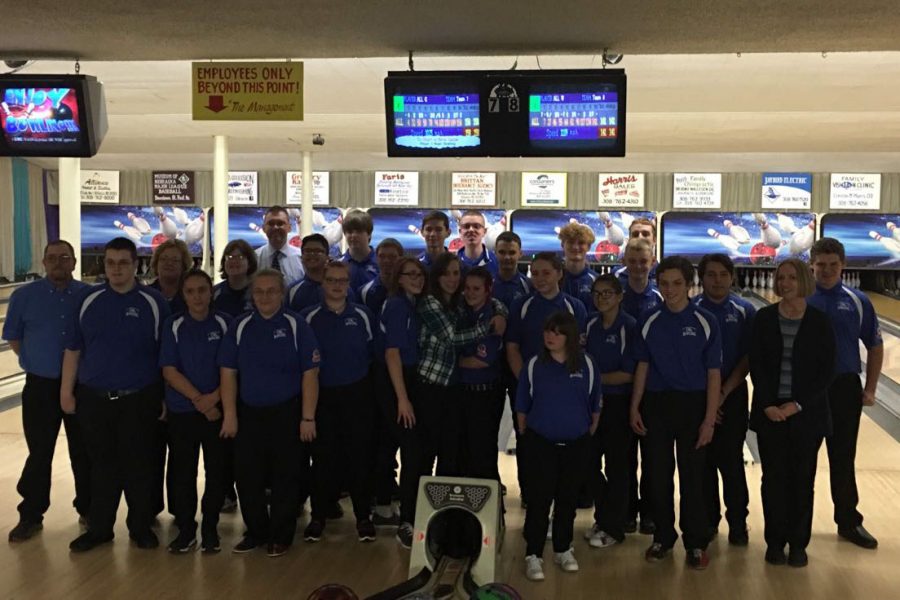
(786, 223)
(802, 239)
(140, 223)
(726, 240)
(890, 244)
(614, 233)
(769, 236)
(737, 232)
(490, 236)
(770, 280)
(193, 232)
(333, 231)
(259, 230)
(895, 231)
(129, 230)
(319, 219)
(181, 217)
(166, 225)
(415, 230)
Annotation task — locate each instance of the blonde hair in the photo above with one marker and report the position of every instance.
(638, 245)
(806, 285)
(572, 232)
(186, 261)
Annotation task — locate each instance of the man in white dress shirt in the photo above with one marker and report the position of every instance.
(278, 254)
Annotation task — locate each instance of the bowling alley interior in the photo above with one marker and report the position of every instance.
(749, 132)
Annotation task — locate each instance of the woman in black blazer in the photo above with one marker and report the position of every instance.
(792, 357)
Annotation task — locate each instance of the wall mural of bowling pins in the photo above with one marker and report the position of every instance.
(748, 238)
(146, 226)
(245, 222)
(871, 240)
(403, 225)
(539, 230)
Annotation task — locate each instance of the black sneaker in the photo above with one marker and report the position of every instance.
(184, 543)
(648, 527)
(797, 558)
(738, 536)
(88, 541)
(697, 559)
(657, 552)
(391, 521)
(247, 544)
(146, 540)
(335, 512)
(210, 544)
(775, 556)
(24, 530)
(365, 531)
(630, 526)
(859, 536)
(314, 531)
(405, 535)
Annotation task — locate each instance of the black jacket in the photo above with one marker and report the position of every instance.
(813, 368)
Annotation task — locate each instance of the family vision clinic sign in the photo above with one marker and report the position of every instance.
(247, 91)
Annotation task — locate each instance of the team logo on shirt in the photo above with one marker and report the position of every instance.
(279, 333)
(213, 336)
(350, 322)
(132, 311)
(481, 350)
(688, 332)
(731, 319)
(612, 339)
(316, 357)
(844, 305)
(577, 375)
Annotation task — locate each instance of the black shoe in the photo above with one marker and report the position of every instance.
(210, 544)
(502, 490)
(276, 550)
(89, 541)
(656, 552)
(648, 527)
(145, 541)
(775, 556)
(335, 512)
(365, 531)
(391, 521)
(313, 532)
(859, 536)
(797, 558)
(630, 526)
(184, 543)
(247, 544)
(405, 535)
(24, 530)
(739, 536)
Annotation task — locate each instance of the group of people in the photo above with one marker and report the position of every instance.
(301, 377)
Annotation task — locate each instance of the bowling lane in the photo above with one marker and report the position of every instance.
(9, 364)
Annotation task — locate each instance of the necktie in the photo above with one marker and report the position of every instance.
(276, 260)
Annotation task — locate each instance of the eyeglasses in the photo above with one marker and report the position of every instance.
(337, 280)
(57, 258)
(413, 274)
(604, 293)
(237, 257)
(475, 226)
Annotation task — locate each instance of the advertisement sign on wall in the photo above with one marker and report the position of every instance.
(544, 189)
(697, 190)
(396, 188)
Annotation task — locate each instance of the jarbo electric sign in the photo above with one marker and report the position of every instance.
(247, 91)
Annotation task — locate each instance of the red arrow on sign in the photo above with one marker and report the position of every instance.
(216, 104)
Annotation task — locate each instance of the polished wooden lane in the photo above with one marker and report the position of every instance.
(43, 568)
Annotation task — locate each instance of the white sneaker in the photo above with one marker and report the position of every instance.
(594, 530)
(601, 539)
(534, 568)
(566, 560)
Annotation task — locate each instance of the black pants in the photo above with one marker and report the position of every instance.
(789, 455)
(482, 408)
(41, 417)
(512, 388)
(845, 398)
(409, 443)
(639, 502)
(120, 436)
(265, 453)
(673, 419)
(162, 481)
(188, 433)
(607, 472)
(387, 437)
(228, 460)
(555, 472)
(343, 451)
(725, 455)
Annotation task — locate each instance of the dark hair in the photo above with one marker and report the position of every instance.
(439, 267)
(550, 257)
(719, 258)
(564, 323)
(273, 273)
(121, 243)
(276, 209)
(314, 238)
(195, 273)
(437, 215)
(679, 263)
(827, 245)
(244, 248)
(609, 279)
(394, 284)
(484, 275)
(509, 236)
(60, 243)
(389, 243)
(357, 220)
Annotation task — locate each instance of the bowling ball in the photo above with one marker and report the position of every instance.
(295, 241)
(62, 112)
(606, 251)
(333, 591)
(760, 254)
(158, 239)
(456, 244)
(495, 591)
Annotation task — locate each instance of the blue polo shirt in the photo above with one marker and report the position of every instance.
(361, 271)
(488, 349)
(622, 274)
(38, 316)
(612, 349)
(679, 347)
(853, 318)
(373, 295)
(192, 347)
(579, 286)
(347, 342)
(118, 336)
(231, 301)
(308, 292)
(270, 355)
(558, 404)
(637, 303)
(176, 303)
(426, 260)
(735, 318)
(525, 326)
(486, 259)
(508, 291)
(400, 328)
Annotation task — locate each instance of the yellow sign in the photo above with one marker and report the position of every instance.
(247, 91)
